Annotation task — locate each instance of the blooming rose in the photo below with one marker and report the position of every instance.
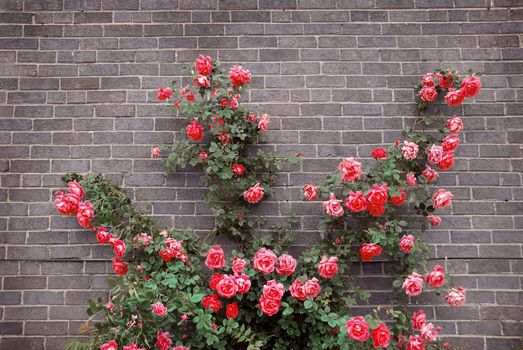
(162, 340)
(450, 143)
(66, 203)
(239, 76)
(297, 291)
(328, 267)
(194, 131)
(204, 65)
(273, 290)
(265, 260)
(428, 79)
(349, 169)
(381, 336)
(215, 258)
(454, 97)
(428, 94)
(409, 150)
(369, 250)
(111, 345)
(84, 214)
(418, 319)
(102, 235)
(442, 199)
(118, 246)
(254, 194)
(415, 343)
(159, 309)
(215, 279)
(287, 265)
(379, 153)
(333, 206)
(356, 202)
(434, 220)
(400, 199)
(190, 97)
(238, 169)
(413, 285)
(227, 287)
(447, 161)
(269, 307)
(456, 297)
(132, 346)
(180, 347)
(224, 138)
(173, 250)
(263, 124)
(430, 174)
(119, 267)
(76, 189)
(411, 179)
(434, 154)
(357, 329)
(231, 310)
(243, 283)
(429, 333)
(253, 118)
(437, 277)
(445, 81)
(212, 301)
(312, 288)
(376, 210)
(164, 93)
(377, 195)
(470, 86)
(310, 192)
(455, 124)
(202, 81)
(143, 238)
(238, 265)
(406, 243)
(155, 153)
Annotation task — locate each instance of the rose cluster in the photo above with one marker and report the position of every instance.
(432, 84)
(358, 330)
(71, 204)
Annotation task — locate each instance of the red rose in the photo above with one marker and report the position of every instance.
(273, 290)
(328, 268)
(204, 65)
(428, 94)
(454, 97)
(265, 261)
(415, 343)
(312, 287)
(227, 287)
(428, 79)
(379, 153)
(447, 161)
(369, 250)
(194, 131)
(286, 266)
(411, 179)
(155, 153)
(203, 156)
(400, 199)
(132, 346)
(66, 204)
(418, 319)
(239, 76)
(111, 345)
(406, 243)
(470, 86)
(434, 220)
(333, 206)
(190, 97)
(217, 277)
(437, 277)
(164, 93)
(159, 309)
(202, 81)
(442, 199)
(350, 170)
(310, 192)
(76, 189)
(445, 81)
(231, 310)
(163, 341)
(450, 143)
(102, 235)
(243, 283)
(269, 307)
(119, 267)
(378, 195)
(357, 329)
(413, 285)
(215, 258)
(238, 169)
(254, 194)
(238, 265)
(84, 214)
(356, 202)
(430, 174)
(376, 210)
(381, 336)
(455, 124)
(434, 154)
(297, 291)
(212, 301)
(456, 297)
(224, 138)
(118, 246)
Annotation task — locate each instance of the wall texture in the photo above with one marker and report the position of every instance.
(77, 91)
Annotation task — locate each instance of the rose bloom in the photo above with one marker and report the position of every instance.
(118, 246)
(159, 309)
(111, 345)
(413, 285)
(378, 195)
(194, 131)
(239, 76)
(379, 153)
(428, 94)
(238, 265)
(310, 192)
(429, 332)
(399, 200)
(263, 124)
(286, 266)
(143, 238)
(215, 258)
(434, 220)
(265, 260)
(409, 150)
(119, 267)
(202, 81)
(215, 279)
(369, 250)
(434, 154)
(455, 124)
(190, 97)
(273, 290)
(76, 189)
(297, 291)
(102, 235)
(349, 169)
(66, 204)
(238, 169)
(254, 194)
(415, 343)
(179, 347)
(381, 336)
(437, 277)
(84, 214)
(447, 161)
(456, 297)
(418, 319)
(204, 65)
(445, 81)
(163, 342)
(470, 86)
(312, 287)
(428, 79)
(454, 97)
(442, 199)
(212, 301)
(164, 93)
(243, 283)
(203, 156)
(132, 346)
(224, 138)
(430, 174)
(155, 153)
(411, 179)
(269, 307)
(253, 118)
(357, 329)
(231, 310)
(328, 267)
(376, 210)
(450, 143)
(333, 206)
(406, 243)
(356, 202)
(227, 287)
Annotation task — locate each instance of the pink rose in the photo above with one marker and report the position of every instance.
(119, 267)
(179, 347)
(253, 118)
(263, 124)
(445, 81)
(447, 161)
(470, 86)
(203, 156)
(312, 287)
(118, 246)
(418, 319)
(406, 243)
(159, 309)
(455, 124)
(84, 214)
(442, 199)
(231, 311)
(328, 267)
(376, 210)
(204, 65)
(243, 283)
(212, 301)
(269, 307)
(254, 194)
(350, 170)
(265, 261)
(155, 153)
(66, 204)
(430, 174)
(102, 235)
(357, 329)
(411, 179)
(76, 189)
(381, 336)
(163, 341)
(238, 169)
(132, 346)
(310, 192)
(215, 279)
(333, 206)
(454, 97)
(378, 195)
(400, 199)
(437, 277)
(434, 154)
(428, 79)
(297, 291)
(429, 332)
(111, 345)
(415, 343)
(450, 143)
(379, 153)
(215, 258)
(369, 250)
(356, 202)
(194, 131)
(409, 150)
(434, 220)
(273, 290)
(413, 285)
(287, 265)
(173, 250)
(238, 265)
(239, 76)
(144, 239)
(456, 297)
(428, 94)
(227, 287)
(164, 93)
(190, 97)
(202, 81)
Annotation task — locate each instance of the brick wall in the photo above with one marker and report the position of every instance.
(77, 91)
